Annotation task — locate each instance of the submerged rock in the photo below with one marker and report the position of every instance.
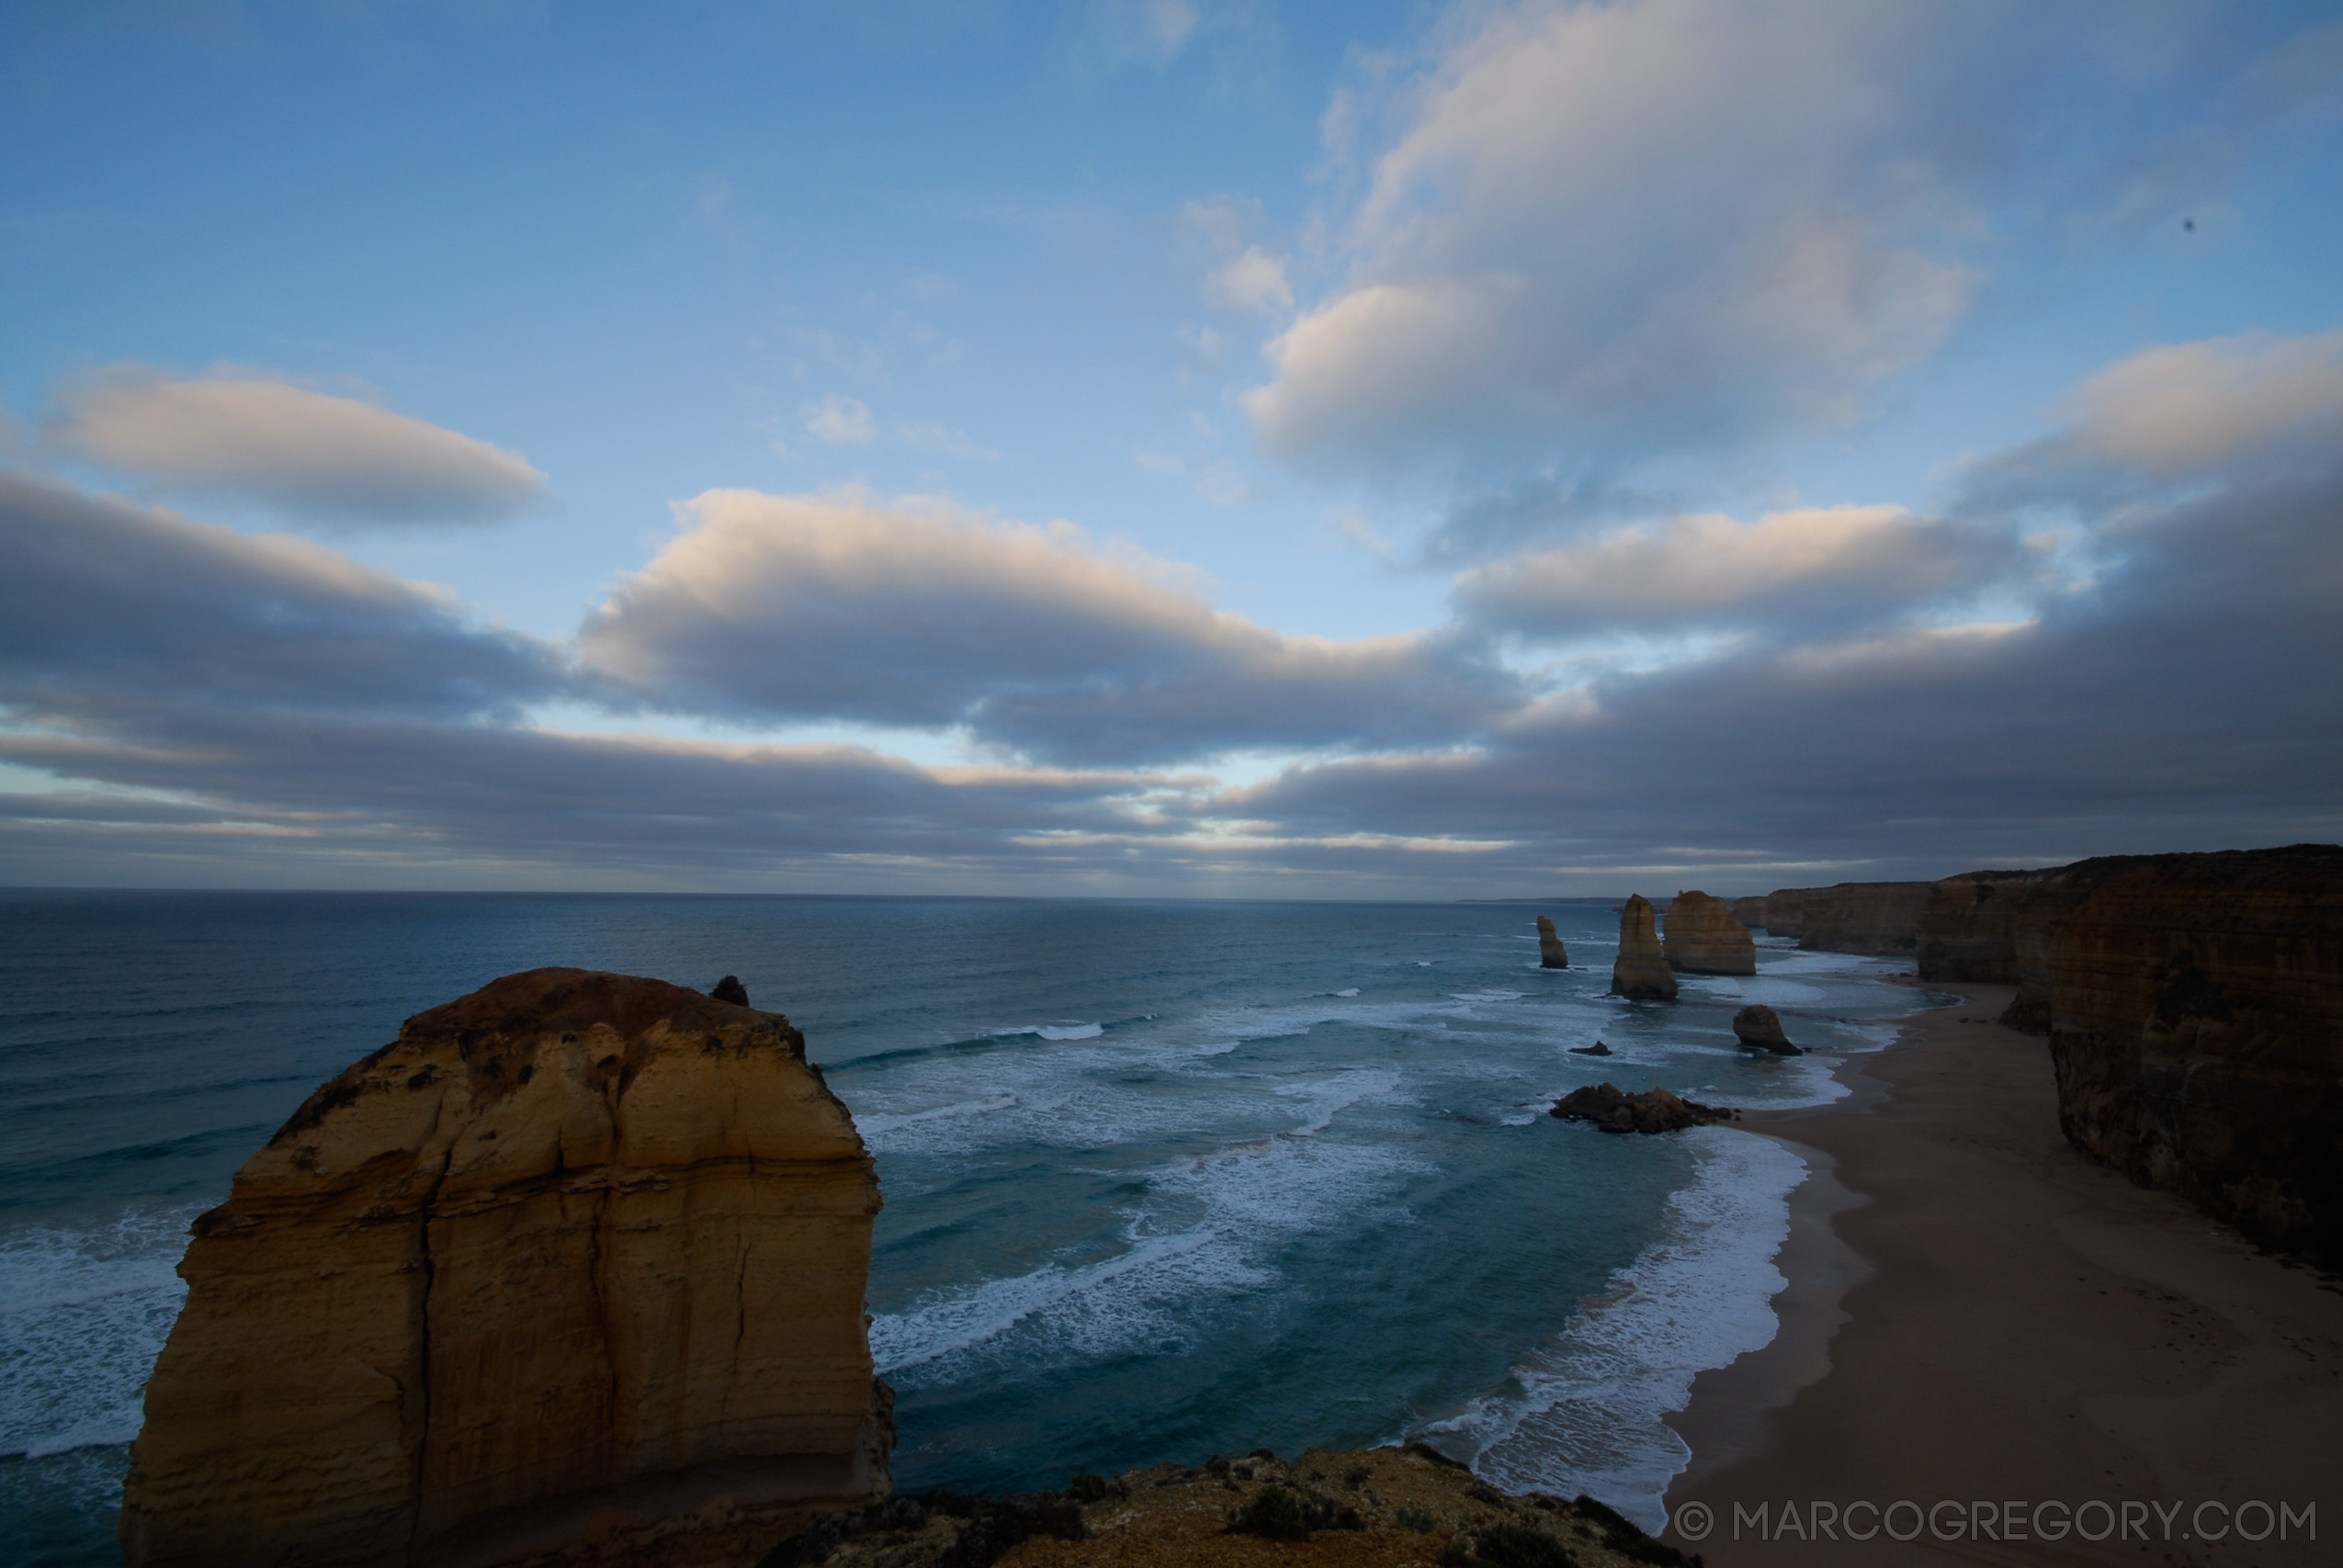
(1641, 972)
(1551, 953)
(1597, 1049)
(1704, 938)
(578, 1256)
(1653, 1111)
(1758, 1027)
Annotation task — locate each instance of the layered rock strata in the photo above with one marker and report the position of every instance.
(1641, 970)
(1758, 1027)
(574, 1266)
(1551, 953)
(1750, 911)
(1973, 925)
(2196, 1026)
(1881, 918)
(1653, 1111)
(1705, 939)
(1785, 909)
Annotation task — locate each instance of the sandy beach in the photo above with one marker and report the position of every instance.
(1982, 1322)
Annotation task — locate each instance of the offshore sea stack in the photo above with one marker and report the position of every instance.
(572, 1270)
(1551, 953)
(1641, 972)
(1758, 1027)
(1705, 938)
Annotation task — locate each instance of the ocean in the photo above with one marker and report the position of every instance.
(1162, 1178)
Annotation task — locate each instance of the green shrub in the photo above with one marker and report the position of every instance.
(1273, 1512)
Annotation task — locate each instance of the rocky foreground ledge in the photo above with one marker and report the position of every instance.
(1383, 1507)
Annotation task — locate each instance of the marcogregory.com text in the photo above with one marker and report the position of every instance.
(1949, 1519)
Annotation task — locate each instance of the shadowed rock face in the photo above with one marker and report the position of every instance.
(1705, 939)
(1973, 925)
(1758, 1027)
(1751, 912)
(1653, 1111)
(1551, 953)
(1641, 970)
(2196, 1025)
(1878, 917)
(1785, 909)
(577, 1262)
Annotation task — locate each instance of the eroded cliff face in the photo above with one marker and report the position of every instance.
(1785, 909)
(1749, 911)
(1881, 918)
(2196, 1026)
(576, 1263)
(1975, 924)
(1703, 937)
(1641, 970)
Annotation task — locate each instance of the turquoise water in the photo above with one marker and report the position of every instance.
(1161, 1179)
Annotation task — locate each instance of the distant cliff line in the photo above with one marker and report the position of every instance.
(2193, 1005)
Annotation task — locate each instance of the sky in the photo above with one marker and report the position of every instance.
(1164, 447)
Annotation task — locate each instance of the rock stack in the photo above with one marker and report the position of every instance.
(1758, 1027)
(1551, 953)
(1703, 937)
(1641, 970)
(1653, 1111)
(575, 1265)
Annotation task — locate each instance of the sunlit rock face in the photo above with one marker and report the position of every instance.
(574, 1266)
(1641, 970)
(1703, 937)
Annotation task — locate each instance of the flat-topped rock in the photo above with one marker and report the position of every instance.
(1705, 938)
(579, 1255)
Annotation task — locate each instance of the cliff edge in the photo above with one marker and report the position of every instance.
(573, 1267)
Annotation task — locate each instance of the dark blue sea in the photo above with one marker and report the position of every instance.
(1161, 1179)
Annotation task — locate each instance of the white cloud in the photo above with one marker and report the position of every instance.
(841, 421)
(1146, 32)
(1807, 571)
(842, 606)
(1251, 282)
(1239, 276)
(927, 435)
(317, 457)
(1647, 220)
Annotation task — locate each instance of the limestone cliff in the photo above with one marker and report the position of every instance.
(1705, 939)
(1751, 912)
(1975, 924)
(1878, 917)
(1641, 970)
(576, 1264)
(1785, 909)
(1551, 953)
(2196, 1026)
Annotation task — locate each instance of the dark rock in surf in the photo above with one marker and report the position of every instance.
(1758, 1027)
(1653, 1111)
(1551, 953)
(1597, 1049)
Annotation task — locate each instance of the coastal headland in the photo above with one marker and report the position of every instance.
(1981, 1316)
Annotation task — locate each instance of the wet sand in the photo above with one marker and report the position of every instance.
(1979, 1316)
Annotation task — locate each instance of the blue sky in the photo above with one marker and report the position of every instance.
(1157, 446)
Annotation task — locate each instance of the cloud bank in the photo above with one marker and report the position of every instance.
(314, 457)
(212, 705)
